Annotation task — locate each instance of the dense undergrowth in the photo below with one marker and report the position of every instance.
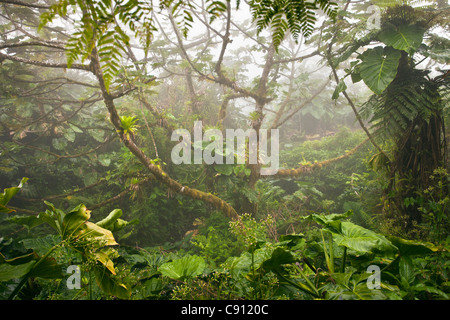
(295, 247)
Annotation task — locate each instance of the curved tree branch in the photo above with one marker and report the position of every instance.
(25, 4)
(155, 169)
(282, 173)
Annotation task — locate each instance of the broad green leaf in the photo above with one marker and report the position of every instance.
(98, 135)
(22, 259)
(294, 241)
(379, 67)
(59, 143)
(73, 220)
(356, 76)
(232, 263)
(406, 271)
(53, 217)
(360, 291)
(412, 247)
(404, 37)
(433, 290)
(120, 224)
(103, 256)
(8, 193)
(98, 234)
(25, 265)
(41, 245)
(339, 88)
(331, 221)
(47, 269)
(109, 284)
(27, 221)
(9, 272)
(363, 240)
(278, 258)
(75, 128)
(109, 220)
(245, 263)
(183, 268)
(104, 160)
(225, 169)
(342, 279)
(70, 136)
(151, 287)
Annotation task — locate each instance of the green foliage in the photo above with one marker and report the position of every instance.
(289, 267)
(434, 203)
(355, 238)
(407, 108)
(98, 28)
(214, 241)
(75, 232)
(128, 125)
(330, 183)
(8, 193)
(379, 67)
(403, 37)
(183, 268)
(30, 265)
(405, 100)
(92, 241)
(250, 232)
(295, 16)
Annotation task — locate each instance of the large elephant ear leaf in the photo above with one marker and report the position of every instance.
(332, 222)
(404, 37)
(413, 247)
(183, 268)
(279, 257)
(379, 67)
(363, 240)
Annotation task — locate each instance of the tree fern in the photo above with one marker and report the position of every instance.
(406, 99)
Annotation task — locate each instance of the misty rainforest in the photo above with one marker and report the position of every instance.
(224, 150)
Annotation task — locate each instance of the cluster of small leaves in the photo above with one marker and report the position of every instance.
(249, 231)
(296, 16)
(128, 125)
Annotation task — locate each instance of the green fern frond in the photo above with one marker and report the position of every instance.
(296, 16)
(99, 29)
(215, 8)
(393, 112)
